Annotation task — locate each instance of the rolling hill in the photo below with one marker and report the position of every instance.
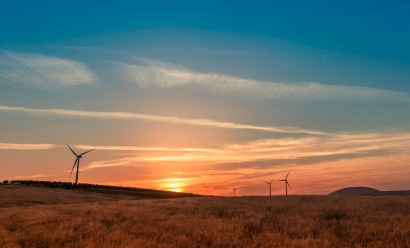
(363, 191)
(32, 191)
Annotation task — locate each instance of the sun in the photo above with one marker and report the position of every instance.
(173, 184)
(175, 187)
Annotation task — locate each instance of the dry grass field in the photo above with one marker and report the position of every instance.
(40, 217)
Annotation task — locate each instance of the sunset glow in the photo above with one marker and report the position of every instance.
(173, 184)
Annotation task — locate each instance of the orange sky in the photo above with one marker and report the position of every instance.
(319, 164)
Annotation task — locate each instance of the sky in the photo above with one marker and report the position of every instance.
(207, 96)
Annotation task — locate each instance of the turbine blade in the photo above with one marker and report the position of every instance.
(271, 181)
(288, 184)
(281, 180)
(266, 182)
(287, 175)
(75, 162)
(86, 152)
(72, 150)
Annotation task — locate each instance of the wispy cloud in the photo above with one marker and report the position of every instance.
(15, 146)
(20, 146)
(319, 164)
(32, 176)
(38, 70)
(157, 118)
(268, 152)
(156, 74)
(140, 148)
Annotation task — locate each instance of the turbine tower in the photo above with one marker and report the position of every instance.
(270, 187)
(286, 182)
(77, 162)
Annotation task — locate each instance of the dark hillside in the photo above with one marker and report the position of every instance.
(139, 193)
(363, 191)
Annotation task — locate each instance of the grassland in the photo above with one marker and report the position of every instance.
(63, 218)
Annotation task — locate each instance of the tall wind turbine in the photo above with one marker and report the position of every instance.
(77, 162)
(270, 187)
(234, 191)
(286, 182)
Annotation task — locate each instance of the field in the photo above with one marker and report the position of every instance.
(43, 217)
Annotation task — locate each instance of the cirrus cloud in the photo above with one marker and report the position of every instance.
(270, 152)
(42, 71)
(161, 75)
(158, 118)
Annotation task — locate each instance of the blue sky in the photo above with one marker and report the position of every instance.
(195, 78)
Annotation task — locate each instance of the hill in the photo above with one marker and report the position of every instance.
(363, 191)
(16, 195)
(66, 192)
(356, 191)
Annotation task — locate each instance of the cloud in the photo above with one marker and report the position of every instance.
(252, 154)
(35, 176)
(14, 146)
(268, 152)
(37, 70)
(319, 164)
(158, 118)
(19, 146)
(274, 152)
(160, 75)
(139, 148)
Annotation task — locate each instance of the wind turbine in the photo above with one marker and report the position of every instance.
(286, 182)
(270, 187)
(77, 162)
(234, 191)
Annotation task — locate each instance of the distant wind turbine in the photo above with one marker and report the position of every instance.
(77, 162)
(286, 182)
(234, 191)
(270, 187)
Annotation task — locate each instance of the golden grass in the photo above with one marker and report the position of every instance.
(294, 221)
(19, 195)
